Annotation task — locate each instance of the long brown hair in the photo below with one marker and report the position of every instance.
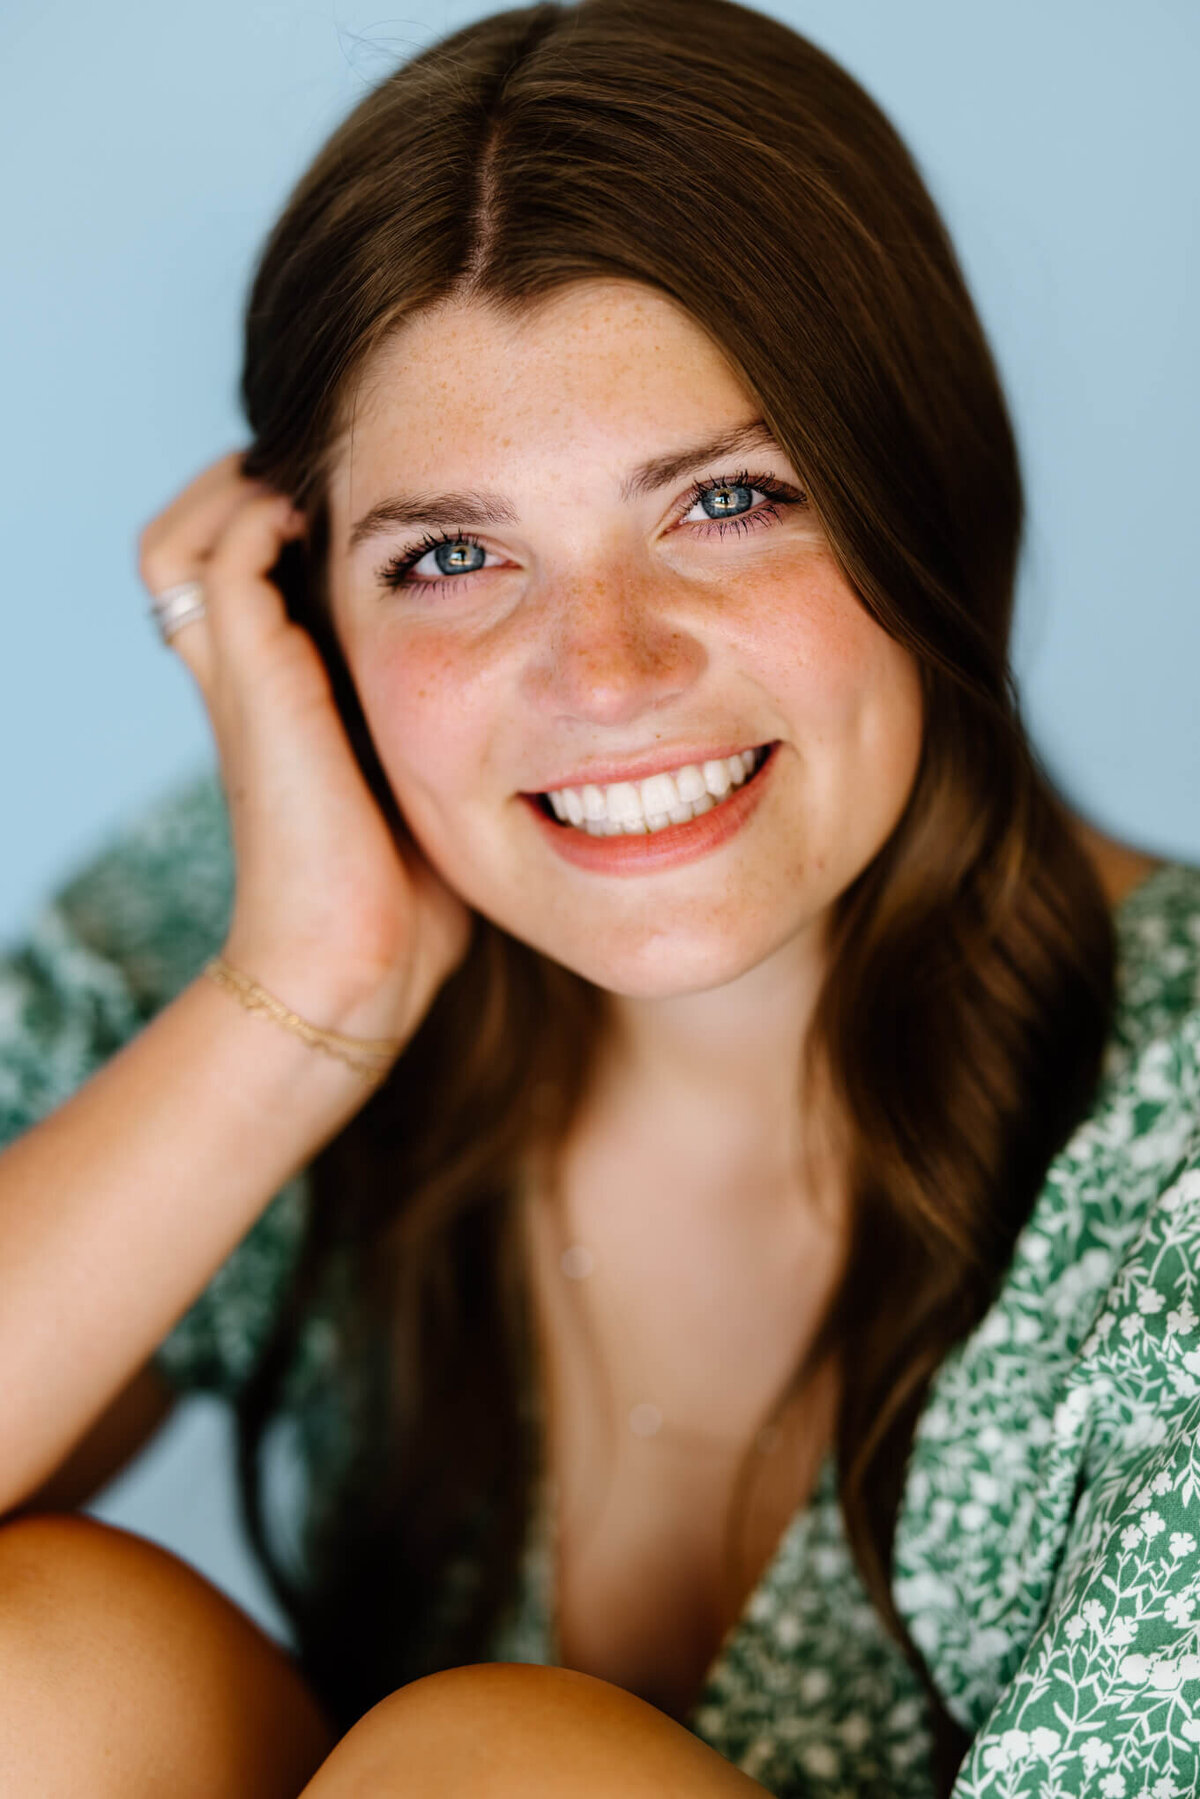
(708, 151)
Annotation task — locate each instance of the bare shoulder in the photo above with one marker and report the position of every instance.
(1120, 866)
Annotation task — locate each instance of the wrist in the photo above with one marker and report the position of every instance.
(369, 1057)
(331, 1013)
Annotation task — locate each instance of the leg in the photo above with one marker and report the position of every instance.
(125, 1675)
(505, 1730)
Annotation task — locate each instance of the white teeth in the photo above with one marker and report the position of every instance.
(716, 779)
(659, 794)
(635, 807)
(624, 802)
(690, 783)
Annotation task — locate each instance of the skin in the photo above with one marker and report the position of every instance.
(602, 628)
(124, 1674)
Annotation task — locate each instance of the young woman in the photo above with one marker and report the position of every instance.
(633, 1065)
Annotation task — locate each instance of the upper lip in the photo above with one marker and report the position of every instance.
(640, 768)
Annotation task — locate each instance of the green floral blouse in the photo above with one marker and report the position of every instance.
(1047, 1553)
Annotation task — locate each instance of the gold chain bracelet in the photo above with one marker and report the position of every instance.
(370, 1057)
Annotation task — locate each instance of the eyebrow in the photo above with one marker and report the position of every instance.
(475, 508)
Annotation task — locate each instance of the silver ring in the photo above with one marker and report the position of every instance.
(177, 606)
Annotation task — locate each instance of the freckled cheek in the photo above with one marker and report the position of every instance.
(816, 648)
(417, 707)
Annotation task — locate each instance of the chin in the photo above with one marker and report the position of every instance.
(658, 964)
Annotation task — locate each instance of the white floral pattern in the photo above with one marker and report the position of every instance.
(1047, 1552)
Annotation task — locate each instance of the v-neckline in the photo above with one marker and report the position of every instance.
(543, 1544)
(824, 1491)
(798, 1525)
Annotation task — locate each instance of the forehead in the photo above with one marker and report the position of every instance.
(599, 362)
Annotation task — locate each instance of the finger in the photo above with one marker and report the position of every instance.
(241, 605)
(178, 541)
(245, 608)
(192, 643)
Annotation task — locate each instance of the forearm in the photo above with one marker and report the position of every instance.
(117, 1208)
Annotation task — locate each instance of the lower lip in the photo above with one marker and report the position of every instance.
(646, 852)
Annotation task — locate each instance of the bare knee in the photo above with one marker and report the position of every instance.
(497, 1729)
(123, 1671)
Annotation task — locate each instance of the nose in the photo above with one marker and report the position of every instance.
(610, 650)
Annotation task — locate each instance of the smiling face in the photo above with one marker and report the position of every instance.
(602, 596)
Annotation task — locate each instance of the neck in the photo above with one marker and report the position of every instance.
(709, 1082)
(700, 1091)
(739, 1041)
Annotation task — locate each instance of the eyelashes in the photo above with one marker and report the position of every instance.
(396, 572)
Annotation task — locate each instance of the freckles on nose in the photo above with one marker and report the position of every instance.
(619, 651)
(602, 659)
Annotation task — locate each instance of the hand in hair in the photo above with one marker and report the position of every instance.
(334, 906)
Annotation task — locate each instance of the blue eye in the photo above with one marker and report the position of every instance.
(728, 500)
(733, 499)
(728, 503)
(452, 557)
(460, 557)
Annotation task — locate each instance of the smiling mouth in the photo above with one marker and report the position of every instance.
(643, 808)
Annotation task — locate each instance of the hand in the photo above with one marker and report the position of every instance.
(329, 912)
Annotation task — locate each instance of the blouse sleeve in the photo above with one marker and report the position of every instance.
(115, 944)
(1107, 1699)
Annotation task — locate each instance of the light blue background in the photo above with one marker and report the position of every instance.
(146, 149)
